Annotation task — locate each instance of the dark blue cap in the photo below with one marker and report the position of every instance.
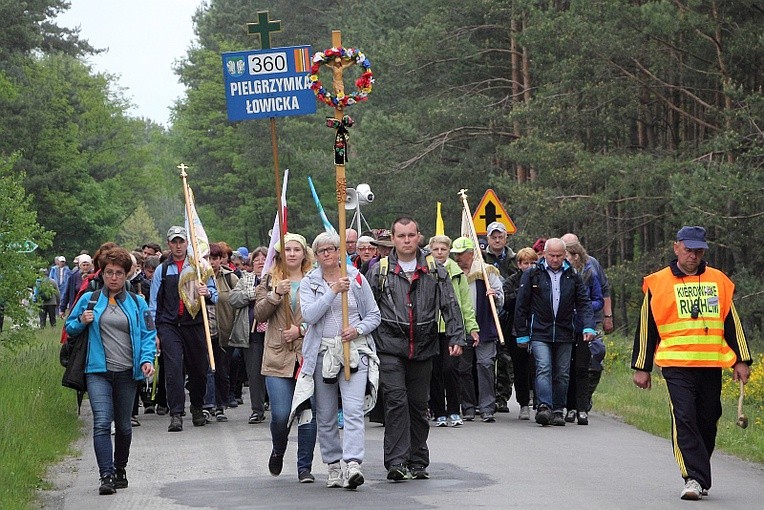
(693, 237)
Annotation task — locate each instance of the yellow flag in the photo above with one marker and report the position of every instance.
(440, 230)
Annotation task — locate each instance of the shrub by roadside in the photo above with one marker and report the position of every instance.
(649, 410)
(38, 416)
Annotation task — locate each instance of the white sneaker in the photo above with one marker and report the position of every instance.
(354, 477)
(525, 413)
(335, 475)
(455, 421)
(692, 490)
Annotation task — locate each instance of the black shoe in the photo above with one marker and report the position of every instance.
(418, 472)
(197, 416)
(396, 473)
(276, 463)
(502, 407)
(488, 418)
(255, 418)
(469, 416)
(306, 477)
(544, 415)
(558, 420)
(161, 410)
(120, 479)
(583, 418)
(232, 402)
(149, 410)
(176, 423)
(107, 486)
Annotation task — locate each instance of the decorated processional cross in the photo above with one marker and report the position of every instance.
(338, 59)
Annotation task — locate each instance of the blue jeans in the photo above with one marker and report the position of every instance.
(280, 392)
(111, 399)
(552, 366)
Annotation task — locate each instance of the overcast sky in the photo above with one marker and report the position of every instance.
(143, 39)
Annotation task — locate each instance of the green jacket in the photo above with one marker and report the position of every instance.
(462, 293)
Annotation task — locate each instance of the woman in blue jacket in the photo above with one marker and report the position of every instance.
(121, 348)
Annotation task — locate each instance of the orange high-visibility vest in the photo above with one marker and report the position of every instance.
(684, 341)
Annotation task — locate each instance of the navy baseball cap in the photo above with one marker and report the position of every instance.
(693, 237)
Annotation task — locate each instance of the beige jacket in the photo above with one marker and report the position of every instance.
(279, 357)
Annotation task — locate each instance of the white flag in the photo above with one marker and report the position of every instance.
(276, 226)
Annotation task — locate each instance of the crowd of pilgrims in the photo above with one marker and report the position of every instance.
(280, 334)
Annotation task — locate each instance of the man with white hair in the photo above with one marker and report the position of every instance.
(550, 293)
(351, 238)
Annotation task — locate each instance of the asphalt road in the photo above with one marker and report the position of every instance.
(507, 464)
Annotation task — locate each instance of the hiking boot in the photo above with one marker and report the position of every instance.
(570, 417)
(396, 473)
(558, 420)
(488, 418)
(442, 421)
(176, 423)
(197, 416)
(525, 413)
(692, 490)
(161, 410)
(149, 410)
(255, 418)
(501, 407)
(455, 421)
(583, 418)
(306, 477)
(220, 415)
(120, 479)
(335, 476)
(107, 486)
(418, 472)
(276, 463)
(543, 415)
(354, 476)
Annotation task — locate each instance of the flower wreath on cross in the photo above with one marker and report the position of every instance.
(347, 55)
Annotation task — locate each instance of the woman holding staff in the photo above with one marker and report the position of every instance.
(320, 296)
(277, 301)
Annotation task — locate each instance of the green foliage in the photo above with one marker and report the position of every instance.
(649, 410)
(39, 417)
(18, 223)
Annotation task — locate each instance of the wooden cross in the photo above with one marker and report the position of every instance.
(183, 167)
(263, 27)
(337, 69)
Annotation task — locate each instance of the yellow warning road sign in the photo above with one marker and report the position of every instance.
(490, 210)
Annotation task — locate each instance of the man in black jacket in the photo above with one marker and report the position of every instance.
(550, 294)
(412, 292)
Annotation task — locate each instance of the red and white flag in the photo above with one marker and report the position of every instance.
(275, 237)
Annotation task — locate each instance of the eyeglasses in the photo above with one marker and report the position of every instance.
(113, 274)
(326, 251)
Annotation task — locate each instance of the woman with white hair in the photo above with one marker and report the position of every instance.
(321, 298)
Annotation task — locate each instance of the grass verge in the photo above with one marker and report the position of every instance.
(38, 416)
(649, 410)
